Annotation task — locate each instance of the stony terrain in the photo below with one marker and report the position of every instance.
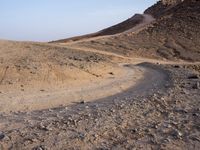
(166, 116)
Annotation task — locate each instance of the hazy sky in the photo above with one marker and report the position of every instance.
(45, 20)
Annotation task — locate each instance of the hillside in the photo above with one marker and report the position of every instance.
(118, 28)
(174, 35)
(33, 75)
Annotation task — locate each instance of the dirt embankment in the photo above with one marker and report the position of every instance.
(31, 72)
(25, 63)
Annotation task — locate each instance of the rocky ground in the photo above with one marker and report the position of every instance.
(165, 117)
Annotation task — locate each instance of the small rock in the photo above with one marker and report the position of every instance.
(43, 127)
(10, 82)
(154, 95)
(96, 135)
(39, 148)
(177, 133)
(155, 126)
(167, 140)
(82, 136)
(82, 102)
(195, 114)
(186, 92)
(49, 128)
(2, 136)
(121, 106)
(176, 66)
(180, 134)
(168, 126)
(147, 130)
(194, 76)
(180, 110)
(134, 130)
(196, 86)
(112, 110)
(50, 110)
(195, 139)
(111, 73)
(174, 123)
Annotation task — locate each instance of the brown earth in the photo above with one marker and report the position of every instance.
(38, 75)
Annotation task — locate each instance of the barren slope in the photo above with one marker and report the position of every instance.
(118, 28)
(42, 75)
(174, 35)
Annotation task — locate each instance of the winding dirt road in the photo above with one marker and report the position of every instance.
(34, 100)
(134, 77)
(139, 80)
(147, 19)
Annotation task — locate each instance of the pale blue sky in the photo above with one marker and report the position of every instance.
(46, 20)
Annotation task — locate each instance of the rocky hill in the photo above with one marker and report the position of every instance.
(171, 2)
(161, 7)
(174, 35)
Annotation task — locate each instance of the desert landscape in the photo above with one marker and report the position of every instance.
(135, 85)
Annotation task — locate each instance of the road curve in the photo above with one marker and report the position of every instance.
(26, 123)
(154, 79)
(151, 79)
(136, 79)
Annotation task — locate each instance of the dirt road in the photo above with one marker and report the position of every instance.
(146, 21)
(150, 79)
(49, 98)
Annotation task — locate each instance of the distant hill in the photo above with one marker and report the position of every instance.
(118, 28)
